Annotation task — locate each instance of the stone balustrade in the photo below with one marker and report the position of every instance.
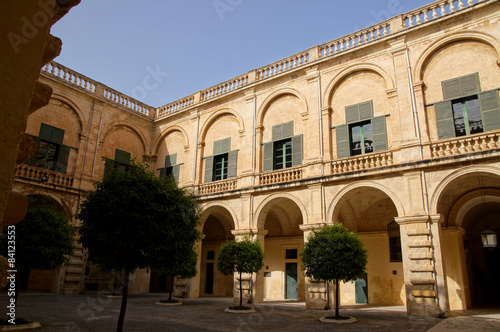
(435, 10)
(217, 187)
(44, 176)
(127, 102)
(223, 88)
(360, 37)
(67, 75)
(362, 162)
(174, 107)
(463, 145)
(286, 175)
(282, 66)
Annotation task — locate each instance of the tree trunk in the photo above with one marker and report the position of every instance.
(337, 293)
(123, 308)
(241, 293)
(171, 288)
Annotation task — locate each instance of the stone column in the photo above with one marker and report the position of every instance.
(316, 291)
(426, 291)
(246, 283)
(258, 279)
(193, 284)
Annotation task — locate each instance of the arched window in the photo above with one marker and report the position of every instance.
(394, 242)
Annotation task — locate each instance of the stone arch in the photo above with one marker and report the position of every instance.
(58, 199)
(275, 95)
(125, 125)
(72, 107)
(358, 184)
(168, 131)
(214, 116)
(209, 208)
(264, 207)
(351, 70)
(469, 35)
(434, 202)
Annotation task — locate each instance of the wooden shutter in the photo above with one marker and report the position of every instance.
(444, 120)
(34, 156)
(268, 156)
(62, 158)
(51, 133)
(209, 166)
(163, 172)
(343, 145)
(287, 129)
(297, 150)
(222, 146)
(231, 164)
(469, 85)
(277, 132)
(366, 110)
(122, 156)
(490, 109)
(379, 131)
(352, 113)
(175, 172)
(171, 160)
(451, 89)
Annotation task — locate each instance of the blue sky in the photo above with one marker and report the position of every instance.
(191, 45)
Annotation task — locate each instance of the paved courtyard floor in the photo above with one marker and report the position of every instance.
(92, 312)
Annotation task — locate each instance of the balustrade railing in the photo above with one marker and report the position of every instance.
(174, 107)
(44, 176)
(69, 76)
(436, 10)
(361, 37)
(286, 175)
(282, 66)
(217, 186)
(127, 102)
(362, 162)
(223, 88)
(463, 145)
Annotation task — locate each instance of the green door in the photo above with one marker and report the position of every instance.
(291, 281)
(361, 286)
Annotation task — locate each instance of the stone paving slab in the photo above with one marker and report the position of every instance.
(92, 312)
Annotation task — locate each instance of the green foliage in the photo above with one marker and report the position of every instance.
(242, 257)
(333, 253)
(44, 238)
(133, 219)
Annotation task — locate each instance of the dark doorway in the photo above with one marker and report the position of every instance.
(361, 286)
(209, 283)
(291, 281)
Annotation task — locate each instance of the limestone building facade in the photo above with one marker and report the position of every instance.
(393, 130)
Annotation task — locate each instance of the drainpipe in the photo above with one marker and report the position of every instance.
(196, 150)
(320, 125)
(424, 182)
(97, 144)
(254, 139)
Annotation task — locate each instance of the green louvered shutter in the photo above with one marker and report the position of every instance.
(343, 148)
(297, 150)
(51, 133)
(34, 156)
(163, 172)
(222, 146)
(232, 160)
(175, 172)
(209, 165)
(469, 85)
(217, 147)
(366, 110)
(490, 109)
(444, 120)
(352, 113)
(277, 132)
(62, 158)
(267, 152)
(451, 89)
(122, 156)
(171, 160)
(379, 134)
(287, 129)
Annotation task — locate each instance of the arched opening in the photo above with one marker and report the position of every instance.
(216, 230)
(471, 206)
(283, 277)
(370, 212)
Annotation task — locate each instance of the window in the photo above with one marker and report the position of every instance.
(222, 164)
(50, 153)
(285, 150)
(465, 110)
(121, 161)
(394, 242)
(171, 167)
(363, 133)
